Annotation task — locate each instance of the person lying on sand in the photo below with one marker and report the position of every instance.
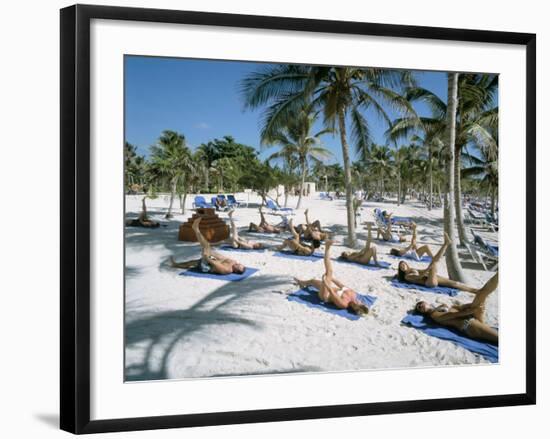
(412, 251)
(429, 277)
(468, 318)
(237, 241)
(365, 255)
(331, 290)
(210, 262)
(294, 244)
(387, 233)
(313, 231)
(142, 220)
(264, 226)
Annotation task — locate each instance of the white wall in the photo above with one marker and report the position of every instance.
(29, 293)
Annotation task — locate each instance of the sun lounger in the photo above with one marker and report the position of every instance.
(436, 290)
(200, 202)
(232, 202)
(483, 252)
(424, 324)
(232, 277)
(310, 298)
(271, 205)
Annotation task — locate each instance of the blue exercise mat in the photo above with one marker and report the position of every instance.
(231, 277)
(401, 219)
(230, 248)
(437, 290)
(288, 255)
(384, 265)
(423, 323)
(310, 298)
(424, 258)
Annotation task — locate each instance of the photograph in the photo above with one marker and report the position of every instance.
(296, 218)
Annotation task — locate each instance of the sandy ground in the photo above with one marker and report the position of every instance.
(184, 327)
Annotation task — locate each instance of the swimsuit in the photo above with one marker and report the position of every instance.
(466, 324)
(204, 265)
(411, 254)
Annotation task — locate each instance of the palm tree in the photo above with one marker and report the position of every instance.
(341, 93)
(296, 141)
(171, 157)
(454, 268)
(208, 153)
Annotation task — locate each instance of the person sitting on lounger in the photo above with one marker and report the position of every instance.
(429, 277)
(412, 251)
(331, 290)
(210, 262)
(264, 226)
(386, 232)
(237, 241)
(365, 255)
(297, 247)
(467, 318)
(142, 220)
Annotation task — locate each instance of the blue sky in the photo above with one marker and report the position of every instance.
(200, 99)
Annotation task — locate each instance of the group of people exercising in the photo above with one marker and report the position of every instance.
(306, 238)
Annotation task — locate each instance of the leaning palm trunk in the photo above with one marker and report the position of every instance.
(458, 198)
(493, 201)
(347, 176)
(430, 170)
(399, 188)
(454, 268)
(172, 196)
(302, 184)
(183, 199)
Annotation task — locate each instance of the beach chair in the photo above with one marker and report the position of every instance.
(232, 202)
(274, 208)
(200, 202)
(483, 252)
(213, 200)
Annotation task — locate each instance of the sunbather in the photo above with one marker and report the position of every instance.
(467, 318)
(312, 231)
(210, 262)
(294, 243)
(264, 226)
(428, 277)
(387, 232)
(413, 251)
(142, 220)
(365, 255)
(237, 241)
(332, 290)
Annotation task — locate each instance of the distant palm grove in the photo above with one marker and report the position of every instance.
(439, 157)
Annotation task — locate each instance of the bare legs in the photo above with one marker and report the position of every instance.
(206, 249)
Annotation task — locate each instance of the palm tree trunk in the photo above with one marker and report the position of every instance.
(493, 201)
(458, 198)
(302, 183)
(351, 241)
(398, 188)
(172, 196)
(454, 268)
(430, 171)
(286, 196)
(182, 201)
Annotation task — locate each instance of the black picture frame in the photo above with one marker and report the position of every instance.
(75, 217)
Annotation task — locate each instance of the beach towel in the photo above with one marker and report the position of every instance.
(231, 277)
(437, 290)
(230, 248)
(384, 265)
(423, 323)
(424, 258)
(310, 298)
(289, 255)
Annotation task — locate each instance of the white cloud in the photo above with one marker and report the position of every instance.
(202, 126)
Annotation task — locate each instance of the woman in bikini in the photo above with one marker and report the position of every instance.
(210, 262)
(237, 241)
(142, 220)
(312, 231)
(297, 247)
(386, 232)
(365, 255)
(429, 277)
(468, 318)
(264, 226)
(331, 290)
(413, 251)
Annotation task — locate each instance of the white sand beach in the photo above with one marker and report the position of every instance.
(184, 327)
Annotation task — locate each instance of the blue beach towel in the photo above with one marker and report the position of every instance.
(422, 323)
(310, 298)
(288, 255)
(424, 258)
(384, 265)
(437, 290)
(231, 277)
(230, 248)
